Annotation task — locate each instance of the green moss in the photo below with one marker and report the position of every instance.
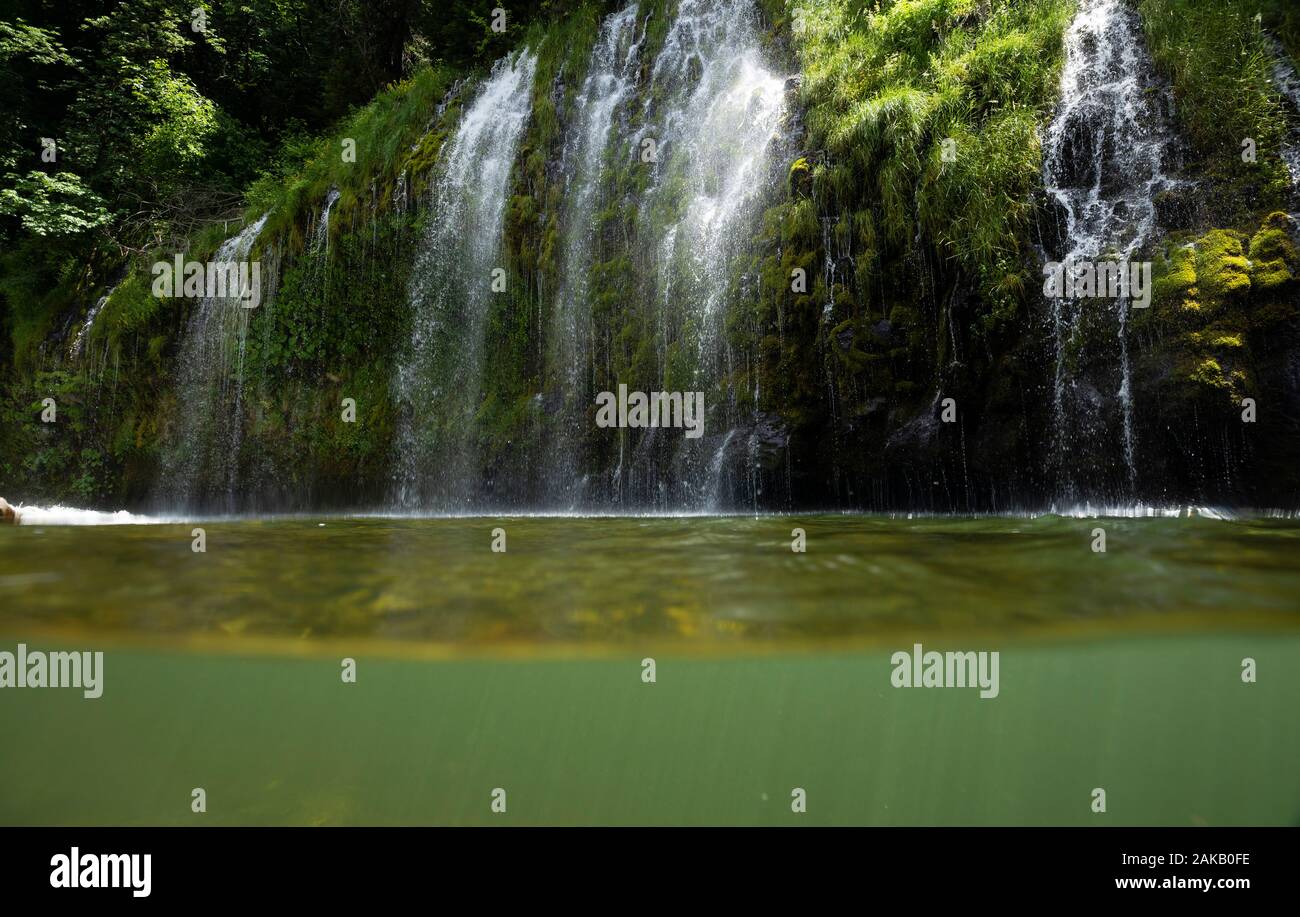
(1273, 245)
(1209, 372)
(1222, 269)
(1271, 275)
(1217, 268)
(800, 178)
(846, 339)
(1217, 295)
(1273, 256)
(1174, 278)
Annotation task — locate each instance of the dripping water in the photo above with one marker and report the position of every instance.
(1104, 155)
(201, 462)
(610, 81)
(439, 379)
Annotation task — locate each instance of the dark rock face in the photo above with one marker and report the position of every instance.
(750, 465)
(1179, 206)
(1052, 226)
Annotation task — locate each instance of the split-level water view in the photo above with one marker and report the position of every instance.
(385, 544)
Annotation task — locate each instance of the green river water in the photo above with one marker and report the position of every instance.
(523, 670)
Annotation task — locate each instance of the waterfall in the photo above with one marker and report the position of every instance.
(720, 110)
(202, 454)
(610, 80)
(439, 379)
(79, 342)
(716, 467)
(713, 110)
(1288, 83)
(320, 238)
(1103, 156)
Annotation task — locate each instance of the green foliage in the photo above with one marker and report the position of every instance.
(55, 461)
(387, 137)
(1221, 65)
(887, 84)
(52, 205)
(29, 58)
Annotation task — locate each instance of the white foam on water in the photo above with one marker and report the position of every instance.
(69, 515)
(1140, 511)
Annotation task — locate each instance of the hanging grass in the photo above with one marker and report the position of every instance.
(1220, 61)
(890, 85)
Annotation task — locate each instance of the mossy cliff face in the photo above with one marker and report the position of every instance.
(333, 311)
(899, 268)
(874, 336)
(1219, 358)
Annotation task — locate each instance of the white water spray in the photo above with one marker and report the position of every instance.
(1103, 160)
(202, 458)
(439, 381)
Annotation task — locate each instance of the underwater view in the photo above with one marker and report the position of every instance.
(869, 413)
(656, 670)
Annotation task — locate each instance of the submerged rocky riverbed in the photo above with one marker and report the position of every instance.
(586, 584)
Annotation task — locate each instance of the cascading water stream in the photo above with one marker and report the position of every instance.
(320, 240)
(79, 342)
(202, 461)
(713, 109)
(1103, 158)
(439, 379)
(610, 81)
(720, 110)
(1288, 83)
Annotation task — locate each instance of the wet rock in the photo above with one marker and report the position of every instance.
(1053, 226)
(1177, 207)
(916, 434)
(769, 440)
